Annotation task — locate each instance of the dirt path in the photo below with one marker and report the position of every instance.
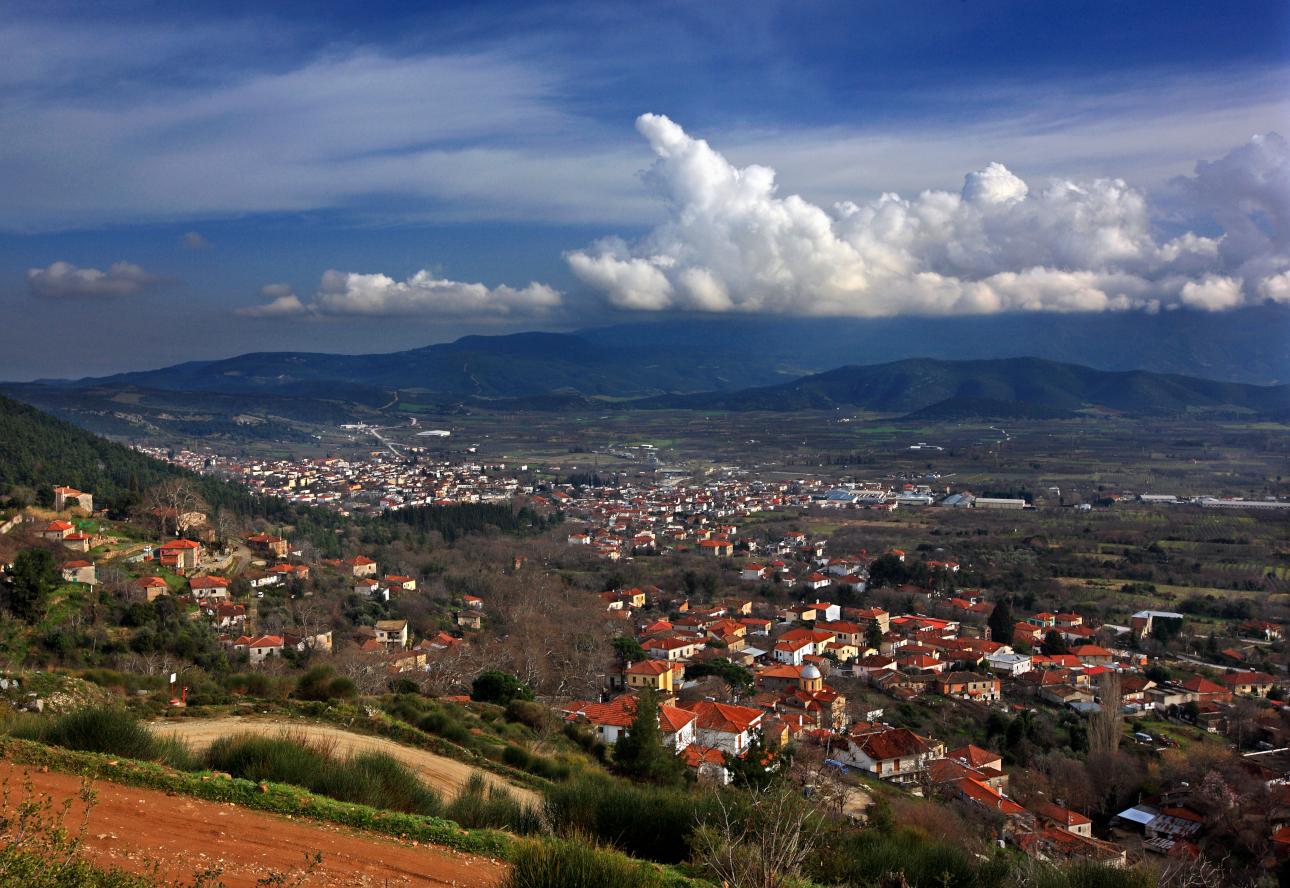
(133, 829)
(445, 775)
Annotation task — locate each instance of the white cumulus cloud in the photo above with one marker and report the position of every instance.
(61, 280)
(347, 293)
(731, 242)
(280, 301)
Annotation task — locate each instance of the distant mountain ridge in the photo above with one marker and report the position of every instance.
(954, 389)
(728, 353)
(934, 368)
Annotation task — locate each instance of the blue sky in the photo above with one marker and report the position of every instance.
(397, 174)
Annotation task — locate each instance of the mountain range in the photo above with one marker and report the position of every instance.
(938, 367)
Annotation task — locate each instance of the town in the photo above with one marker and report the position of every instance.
(882, 672)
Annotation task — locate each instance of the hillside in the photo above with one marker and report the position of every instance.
(518, 365)
(961, 387)
(38, 451)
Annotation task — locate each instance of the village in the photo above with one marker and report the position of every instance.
(816, 657)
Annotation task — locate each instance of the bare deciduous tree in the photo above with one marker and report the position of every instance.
(1105, 727)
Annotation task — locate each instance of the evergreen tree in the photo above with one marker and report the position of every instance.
(33, 578)
(640, 754)
(759, 766)
(496, 686)
(873, 634)
(1054, 644)
(627, 648)
(1001, 623)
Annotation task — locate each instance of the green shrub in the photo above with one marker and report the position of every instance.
(571, 863)
(528, 713)
(517, 757)
(109, 730)
(321, 683)
(482, 805)
(496, 686)
(374, 779)
(613, 811)
(866, 857)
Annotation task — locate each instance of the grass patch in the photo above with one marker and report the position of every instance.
(107, 730)
(371, 778)
(573, 863)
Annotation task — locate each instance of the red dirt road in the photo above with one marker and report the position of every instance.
(135, 828)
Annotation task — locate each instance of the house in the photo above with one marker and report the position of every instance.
(1063, 818)
(392, 633)
(473, 601)
(259, 580)
(71, 498)
(724, 726)
(360, 566)
(227, 616)
(319, 643)
(826, 611)
(846, 631)
(708, 764)
(1143, 623)
(983, 761)
(1093, 655)
(265, 646)
(78, 542)
(268, 545)
(1248, 684)
(815, 581)
(291, 571)
(717, 548)
(753, 572)
(896, 754)
(1261, 629)
(1006, 662)
(670, 648)
(82, 572)
(612, 720)
(969, 686)
(1049, 842)
(148, 589)
(399, 583)
(470, 619)
(211, 587)
(865, 616)
(658, 675)
(368, 587)
(1206, 690)
(56, 531)
(872, 666)
(181, 556)
(793, 651)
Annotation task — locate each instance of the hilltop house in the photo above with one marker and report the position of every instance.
(392, 633)
(268, 545)
(213, 588)
(360, 566)
(148, 589)
(181, 556)
(70, 498)
(79, 572)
